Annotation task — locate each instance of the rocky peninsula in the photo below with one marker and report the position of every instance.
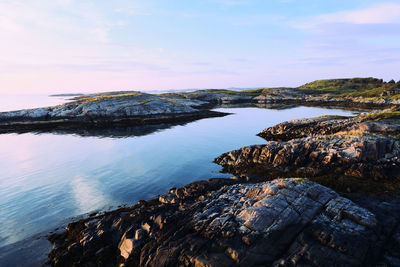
(106, 109)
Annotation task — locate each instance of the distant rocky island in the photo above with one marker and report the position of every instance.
(70, 94)
(321, 192)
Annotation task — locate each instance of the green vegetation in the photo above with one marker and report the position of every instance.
(109, 95)
(116, 93)
(386, 89)
(253, 91)
(355, 87)
(395, 114)
(341, 86)
(145, 101)
(371, 88)
(333, 117)
(299, 180)
(232, 92)
(268, 91)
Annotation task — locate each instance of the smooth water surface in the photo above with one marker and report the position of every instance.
(11, 102)
(48, 178)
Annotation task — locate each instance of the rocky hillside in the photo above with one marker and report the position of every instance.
(342, 86)
(349, 92)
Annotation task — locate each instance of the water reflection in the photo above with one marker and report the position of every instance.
(111, 131)
(123, 131)
(87, 194)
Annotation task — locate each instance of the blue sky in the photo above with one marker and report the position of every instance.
(56, 46)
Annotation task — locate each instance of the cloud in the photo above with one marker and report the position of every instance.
(64, 39)
(383, 13)
(121, 66)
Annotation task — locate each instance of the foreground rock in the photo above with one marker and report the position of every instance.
(283, 222)
(123, 108)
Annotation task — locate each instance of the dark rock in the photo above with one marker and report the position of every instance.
(327, 125)
(374, 157)
(281, 222)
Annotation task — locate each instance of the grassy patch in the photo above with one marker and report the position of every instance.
(333, 117)
(248, 92)
(340, 86)
(267, 91)
(381, 115)
(299, 180)
(104, 96)
(372, 88)
(145, 101)
(375, 92)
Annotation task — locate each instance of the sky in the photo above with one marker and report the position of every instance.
(67, 46)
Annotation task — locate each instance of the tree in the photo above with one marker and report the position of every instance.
(392, 81)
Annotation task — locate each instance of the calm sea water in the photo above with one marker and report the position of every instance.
(15, 101)
(47, 179)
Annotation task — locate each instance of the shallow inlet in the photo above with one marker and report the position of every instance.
(48, 179)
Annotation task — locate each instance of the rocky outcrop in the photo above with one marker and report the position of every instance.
(374, 157)
(283, 222)
(125, 108)
(327, 125)
(331, 95)
(220, 96)
(306, 127)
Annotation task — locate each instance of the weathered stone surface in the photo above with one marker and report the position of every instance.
(282, 222)
(327, 125)
(306, 127)
(129, 108)
(293, 95)
(374, 157)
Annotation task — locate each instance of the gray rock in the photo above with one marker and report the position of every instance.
(374, 157)
(282, 222)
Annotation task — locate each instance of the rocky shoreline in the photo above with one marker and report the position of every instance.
(256, 219)
(226, 222)
(105, 110)
(136, 108)
(332, 150)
